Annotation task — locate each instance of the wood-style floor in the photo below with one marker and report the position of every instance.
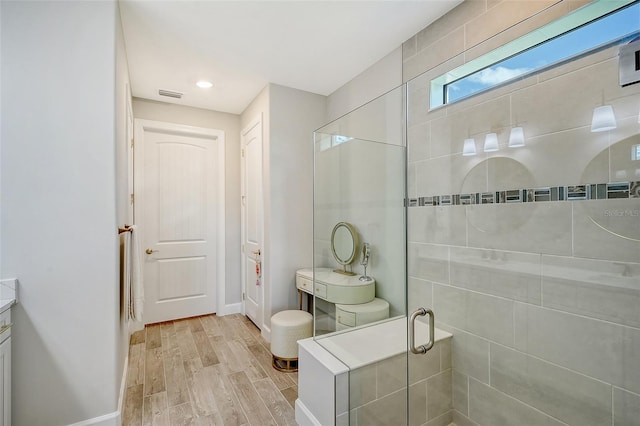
(206, 370)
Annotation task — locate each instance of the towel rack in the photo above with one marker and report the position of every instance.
(126, 228)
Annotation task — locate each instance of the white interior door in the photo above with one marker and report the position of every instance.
(180, 212)
(252, 222)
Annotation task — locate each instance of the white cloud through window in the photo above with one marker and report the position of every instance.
(497, 75)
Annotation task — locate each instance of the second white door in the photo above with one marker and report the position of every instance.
(252, 222)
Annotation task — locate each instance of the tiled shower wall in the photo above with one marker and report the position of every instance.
(542, 298)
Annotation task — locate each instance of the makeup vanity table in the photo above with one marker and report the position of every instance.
(350, 301)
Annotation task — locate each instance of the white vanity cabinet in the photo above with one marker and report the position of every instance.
(8, 298)
(5, 368)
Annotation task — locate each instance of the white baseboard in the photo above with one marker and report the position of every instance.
(304, 416)
(111, 419)
(123, 383)
(135, 326)
(234, 308)
(266, 333)
(115, 418)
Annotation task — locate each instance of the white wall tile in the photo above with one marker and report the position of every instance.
(418, 403)
(419, 142)
(564, 394)
(439, 395)
(423, 366)
(362, 385)
(470, 353)
(420, 294)
(390, 410)
(453, 174)
(460, 392)
(607, 229)
(499, 273)
(443, 420)
(542, 162)
(428, 262)
(486, 316)
(527, 227)
(488, 406)
(626, 408)
(460, 419)
(580, 91)
(594, 288)
(599, 349)
(391, 375)
(439, 225)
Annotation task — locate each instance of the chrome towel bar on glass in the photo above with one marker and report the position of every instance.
(422, 349)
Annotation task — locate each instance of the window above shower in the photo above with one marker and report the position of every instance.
(597, 25)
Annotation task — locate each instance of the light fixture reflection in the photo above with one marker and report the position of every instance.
(204, 84)
(516, 137)
(469, 147)
(491, 142)
(603, 119)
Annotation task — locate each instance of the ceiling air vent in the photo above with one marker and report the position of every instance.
(169, 93)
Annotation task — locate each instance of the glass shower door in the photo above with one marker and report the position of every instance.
(524, 238)
(359, 179)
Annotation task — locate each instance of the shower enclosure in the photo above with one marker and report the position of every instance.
(525, 243)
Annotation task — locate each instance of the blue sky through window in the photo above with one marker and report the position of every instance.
(614, 27)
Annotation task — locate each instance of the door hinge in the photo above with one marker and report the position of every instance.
(132, 199)
(243, 248)
(131, 142)
(242, 151)
(244, 296)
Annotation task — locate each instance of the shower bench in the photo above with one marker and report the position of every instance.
(330, 364)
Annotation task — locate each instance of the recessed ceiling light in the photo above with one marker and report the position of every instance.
(204, 84)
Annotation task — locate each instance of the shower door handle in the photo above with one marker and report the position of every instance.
(422, 349)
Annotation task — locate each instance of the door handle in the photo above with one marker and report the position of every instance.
(149, 251)
(422, 349)
(256, 252)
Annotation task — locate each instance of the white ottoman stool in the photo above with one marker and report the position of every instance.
(287, 327)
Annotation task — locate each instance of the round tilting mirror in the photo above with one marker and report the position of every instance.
(344, 245)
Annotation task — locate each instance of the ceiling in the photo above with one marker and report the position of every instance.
(240, 46)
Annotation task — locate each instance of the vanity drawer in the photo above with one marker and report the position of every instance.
(304, 284)
(346, 318)
(320, 290)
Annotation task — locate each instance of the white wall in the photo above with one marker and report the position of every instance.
(1, 145)
(230, 124)
(289, 117)
(59, 207)
(294, 116)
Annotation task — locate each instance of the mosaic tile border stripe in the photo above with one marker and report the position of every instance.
(600, 191)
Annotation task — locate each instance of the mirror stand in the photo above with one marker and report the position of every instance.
(344, 271)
